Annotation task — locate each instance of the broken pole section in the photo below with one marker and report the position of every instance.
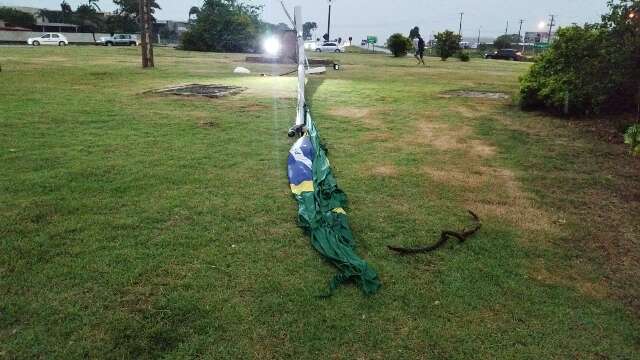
(145, 33)
(300, 116)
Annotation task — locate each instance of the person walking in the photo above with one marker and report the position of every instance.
(420, 51)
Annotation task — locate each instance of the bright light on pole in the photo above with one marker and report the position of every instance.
(271, 46)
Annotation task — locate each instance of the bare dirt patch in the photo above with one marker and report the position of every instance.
(210, 91)
(476, 94)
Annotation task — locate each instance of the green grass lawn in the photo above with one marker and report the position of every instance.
(141, 226)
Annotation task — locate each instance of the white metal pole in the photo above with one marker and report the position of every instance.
(300, 118)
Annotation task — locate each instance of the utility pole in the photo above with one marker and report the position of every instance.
(520, 30)
(551, 25)
(506, 30)
(460, 28)
(145, 24)
(329, 22)
(479, 29)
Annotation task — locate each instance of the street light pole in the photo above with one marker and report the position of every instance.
(520, 30)
(329, 22)
(551, 25)
(460, 28)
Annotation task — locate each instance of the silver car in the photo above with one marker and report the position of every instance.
(118, 40)
(48, 39)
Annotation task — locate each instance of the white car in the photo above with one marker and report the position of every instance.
(48, 39)
(329, 47)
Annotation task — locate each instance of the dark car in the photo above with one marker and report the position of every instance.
(505, 54)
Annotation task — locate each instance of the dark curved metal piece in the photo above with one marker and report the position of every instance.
(444, 237)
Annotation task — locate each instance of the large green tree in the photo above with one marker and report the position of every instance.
(307, 29)
(15, 17)
(225, 25)
(125, 19)
(194, 10)
(88, 18)
(131, 7)
(506, 41)
(447, 44)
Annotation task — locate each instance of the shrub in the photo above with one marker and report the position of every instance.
(399, 45)
(447, 44)
(592, 67)
(574, 65)
(224, 25)
(632, 138)
(463, 56)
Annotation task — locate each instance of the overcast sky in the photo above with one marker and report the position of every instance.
(359, 18)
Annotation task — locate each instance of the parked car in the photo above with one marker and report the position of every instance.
(329, 47)
(118, 40)
(48, 39)
(505, 54)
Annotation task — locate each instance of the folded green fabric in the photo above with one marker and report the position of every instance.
(321, 212)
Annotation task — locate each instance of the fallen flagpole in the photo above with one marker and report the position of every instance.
(321, 203)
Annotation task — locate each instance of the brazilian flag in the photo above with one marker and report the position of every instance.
(321, 211)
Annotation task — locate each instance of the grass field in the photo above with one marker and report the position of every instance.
(141, 226)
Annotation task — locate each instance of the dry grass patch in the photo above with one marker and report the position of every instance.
(361, 115)
(350, 112)
(386, 170)
(444, 137)
(377, 137)
(496, 192)
(465, 111)
(568, 278)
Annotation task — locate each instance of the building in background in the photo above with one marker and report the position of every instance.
(46, 25)
(169, 31)
(535, 37)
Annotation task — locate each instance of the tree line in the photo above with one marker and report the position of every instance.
(88, 16)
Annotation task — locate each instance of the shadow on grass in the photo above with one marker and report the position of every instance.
(312, 88)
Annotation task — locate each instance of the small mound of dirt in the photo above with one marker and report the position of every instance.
(476, 94)
(210, 91)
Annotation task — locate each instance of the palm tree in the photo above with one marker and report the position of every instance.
(193, 11)
(94, 4)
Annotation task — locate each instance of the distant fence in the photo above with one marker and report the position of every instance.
(22, 36)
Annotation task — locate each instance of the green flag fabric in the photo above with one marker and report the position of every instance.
(321, 211)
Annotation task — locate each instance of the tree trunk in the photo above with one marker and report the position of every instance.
(145, 22)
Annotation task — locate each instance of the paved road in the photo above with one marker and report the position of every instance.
(378, 49)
